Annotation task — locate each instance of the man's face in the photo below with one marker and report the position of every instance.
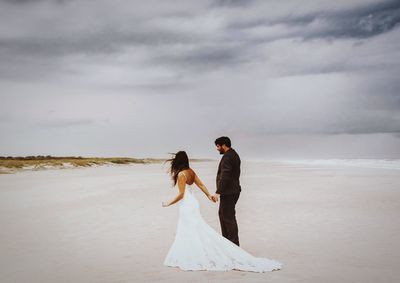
(220, 149)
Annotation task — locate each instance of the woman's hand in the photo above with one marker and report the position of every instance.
(165, 204)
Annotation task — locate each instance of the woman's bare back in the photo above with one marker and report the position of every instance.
(190, 176)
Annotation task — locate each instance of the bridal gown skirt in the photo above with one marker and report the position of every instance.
(199, 247)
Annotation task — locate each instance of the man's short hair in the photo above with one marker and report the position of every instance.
(223, 141)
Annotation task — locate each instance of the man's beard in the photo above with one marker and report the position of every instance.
(222, 151)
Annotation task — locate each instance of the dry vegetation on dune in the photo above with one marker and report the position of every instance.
(12, 164)
(41, 162)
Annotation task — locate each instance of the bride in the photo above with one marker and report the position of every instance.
(197, 246)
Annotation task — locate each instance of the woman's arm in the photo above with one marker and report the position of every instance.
(181, 186)
(202, 187)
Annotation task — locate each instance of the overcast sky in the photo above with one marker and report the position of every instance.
(283, 79)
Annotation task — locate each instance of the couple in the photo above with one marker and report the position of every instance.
(197, 246)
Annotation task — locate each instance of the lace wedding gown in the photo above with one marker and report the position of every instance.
(199, 247)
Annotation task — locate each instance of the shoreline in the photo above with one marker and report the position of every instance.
(11, 165)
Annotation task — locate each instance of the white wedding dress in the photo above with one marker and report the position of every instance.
(199, 247)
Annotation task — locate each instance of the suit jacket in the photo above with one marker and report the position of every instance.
(229, 173)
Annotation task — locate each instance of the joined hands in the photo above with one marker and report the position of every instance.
(213, 198)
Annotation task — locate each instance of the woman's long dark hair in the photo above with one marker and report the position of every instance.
(179, 162)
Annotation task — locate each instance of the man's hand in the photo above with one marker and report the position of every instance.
(210, 197)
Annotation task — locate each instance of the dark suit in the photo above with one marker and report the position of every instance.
(228, 186)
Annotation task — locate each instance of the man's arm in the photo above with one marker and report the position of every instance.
(225, 175)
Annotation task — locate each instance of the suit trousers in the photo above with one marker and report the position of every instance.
(227, 217)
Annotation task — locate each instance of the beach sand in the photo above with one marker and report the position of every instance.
(327, 223)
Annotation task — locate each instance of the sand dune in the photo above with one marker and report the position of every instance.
(106, 224)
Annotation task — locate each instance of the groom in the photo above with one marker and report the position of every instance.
(228, 188)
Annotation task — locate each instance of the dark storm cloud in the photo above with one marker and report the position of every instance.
(204, 58)
(102, 41)
(363, 22)
(41, 55)
(359, 22)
